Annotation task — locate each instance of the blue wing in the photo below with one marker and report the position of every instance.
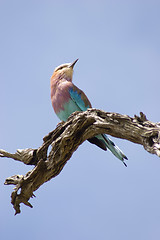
(79, 98)
(78, 101)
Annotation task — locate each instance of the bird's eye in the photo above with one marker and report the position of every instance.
(60, 68)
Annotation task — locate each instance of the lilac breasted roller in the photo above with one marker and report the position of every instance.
(67, 98)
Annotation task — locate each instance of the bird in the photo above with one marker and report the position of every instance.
(67, 98)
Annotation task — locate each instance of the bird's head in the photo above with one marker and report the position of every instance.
(64, 71)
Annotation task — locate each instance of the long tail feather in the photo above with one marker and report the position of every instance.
(114, 149)
(104, 142)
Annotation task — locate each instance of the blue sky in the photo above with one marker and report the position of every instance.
(117, 43)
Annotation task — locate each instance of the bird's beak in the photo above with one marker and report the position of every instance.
(72, 64)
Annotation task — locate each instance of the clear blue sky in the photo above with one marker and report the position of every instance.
(118, 46)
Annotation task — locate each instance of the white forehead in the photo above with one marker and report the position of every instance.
(62, 66)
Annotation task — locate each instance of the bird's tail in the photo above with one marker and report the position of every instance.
(113, 148)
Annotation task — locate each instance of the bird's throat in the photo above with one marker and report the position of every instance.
(67, 74)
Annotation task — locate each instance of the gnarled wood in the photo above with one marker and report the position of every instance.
(66, 138)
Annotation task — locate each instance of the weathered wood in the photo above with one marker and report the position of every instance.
(66, 138)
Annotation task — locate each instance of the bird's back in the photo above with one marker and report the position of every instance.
(63, 93)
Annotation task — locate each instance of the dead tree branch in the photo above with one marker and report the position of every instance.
(66, 138)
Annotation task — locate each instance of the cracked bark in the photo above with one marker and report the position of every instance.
(66, 138)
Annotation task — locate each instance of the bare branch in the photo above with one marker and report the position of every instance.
(27, 156)
(66, 138)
